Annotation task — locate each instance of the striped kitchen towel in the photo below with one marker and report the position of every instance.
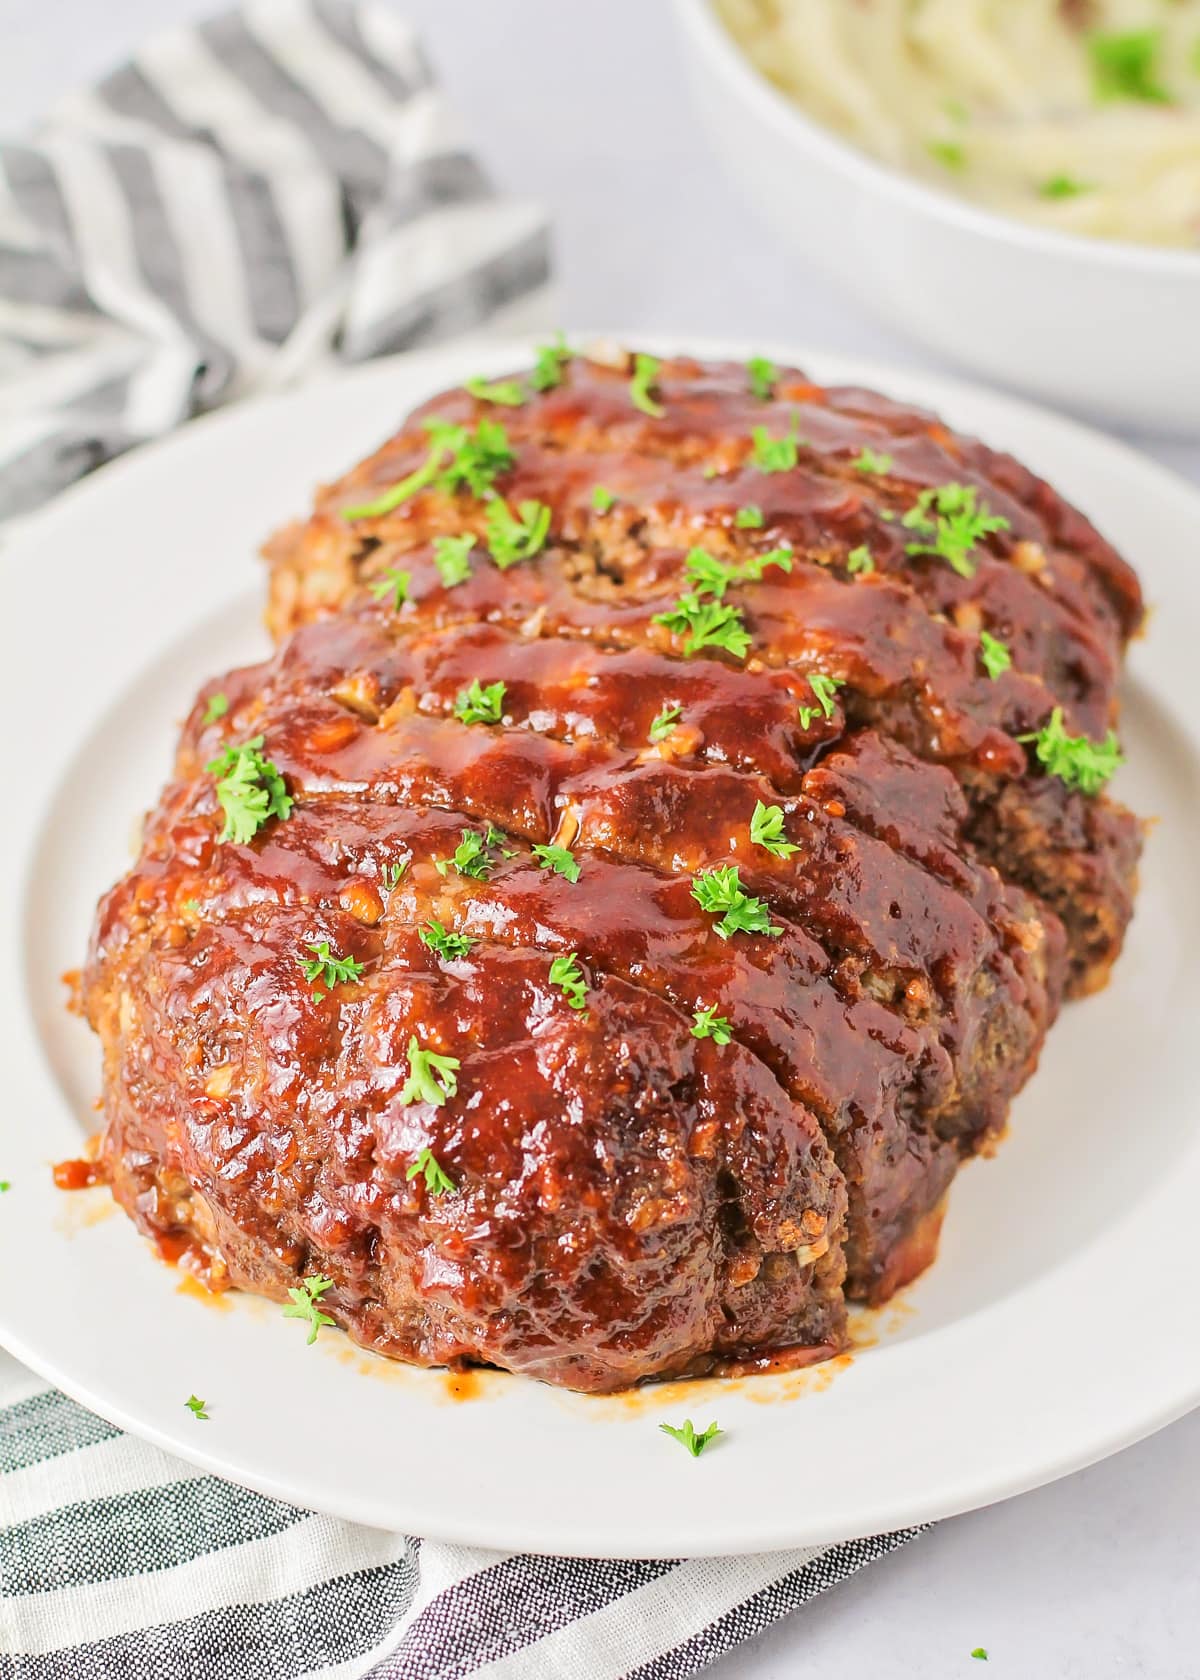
(238, 204)
(118, 1562)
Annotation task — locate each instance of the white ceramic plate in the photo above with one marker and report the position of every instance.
(1060, 1321)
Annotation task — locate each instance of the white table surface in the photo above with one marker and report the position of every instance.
(582, 104)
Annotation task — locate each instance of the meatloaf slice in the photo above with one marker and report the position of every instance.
(878, 596)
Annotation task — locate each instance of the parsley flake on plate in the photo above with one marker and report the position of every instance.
(437, 1181)
(867, 461)
(304, 1304)
(955, 521)
(516, 536)
(394, 585)
(448, 946)
(559, 859)
(325, 969)
(719, 892)
(994, 655)
(980, 1654)
(645, 372)
(197, 1408)
(566, 974)
(762, 374)
(687, 1436)
(475, 704)
(708, 1024)
(431, 1078)
(1079, 762)
(766, 830)
(664, 724)
(772, 454)
(5, 1186)
(859, 560)
(506, 393)
(217, 706)
(451, 557)
(822, 688)
(250, 790)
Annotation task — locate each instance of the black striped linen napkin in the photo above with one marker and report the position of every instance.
(118, 1562)
(244, 200)
(236, 207)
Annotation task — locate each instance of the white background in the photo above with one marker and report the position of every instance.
(582, 104)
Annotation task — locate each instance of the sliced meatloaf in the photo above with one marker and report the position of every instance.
(594, 939)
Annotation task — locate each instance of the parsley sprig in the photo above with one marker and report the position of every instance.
(645, 373)
(720, 893)
(472, 856)
(710, 576)
(391, 874)
(867, 461)
(217, 706)
(706, 624)
(516, 536)
(602, 498)
(772, 454)
(559, 859)
(766, 830)
(457, 457)
(1075, 759)
(437, 1181)
(448, 946)
(994, 655)
(394, 584)
(198, 1408)
(432, 1078)
(823, 692)
(325, 969)
(687, 1436)
(566, 974)
(451, 557)
(955, 521)
(550, 364)
(304, 1304)
(506, 393)
(250, 790)
(708, 1024)
(664, 724)
(476, 704)
(748, 518)
(762, 374)
(860, 560)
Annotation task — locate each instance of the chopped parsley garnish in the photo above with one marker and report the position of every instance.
(1125, 65)
(457, 456)
(192, 906)
(550, 365)
(566, 974)
(470, 857)
(748, 518)
(1063, 186)
(5, 1186)
(951, 154)
(324, 969)
(559, 859)
(956, 520)
(664, 724)
(197, 1408)
(708, 1024)
(250, 790)
(450, 556)
(766, 830)
(980, 1653)
(994, 654)
(1079, 762)
(602, 498)
(859, 560)
(822, 688)
(645, 372)
(772, 454)
(393, 583)
(431, 1078)
(710, 576)
(868, 462)
(507, 393)
(475, 704)
(217, 706)
(720, 892)
(762, 374)
(448, 946)
(687, 1436)
(304, 1304)
(510, 538)
(707, 624)
(496, 837)
(437, 1181)
(392, 874)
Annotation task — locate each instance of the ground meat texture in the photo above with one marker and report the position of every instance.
(630, 1200)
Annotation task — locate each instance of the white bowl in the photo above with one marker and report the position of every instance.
(1109, 330)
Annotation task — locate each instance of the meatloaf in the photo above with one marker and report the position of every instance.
(646, 869)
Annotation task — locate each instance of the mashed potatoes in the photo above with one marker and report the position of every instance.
(1082, 115)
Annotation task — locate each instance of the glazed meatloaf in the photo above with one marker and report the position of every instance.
(646, 869)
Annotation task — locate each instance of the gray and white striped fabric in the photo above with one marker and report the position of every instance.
(118, 1562)
(240, 203)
